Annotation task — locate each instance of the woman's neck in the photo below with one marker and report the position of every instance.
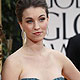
(35, 47)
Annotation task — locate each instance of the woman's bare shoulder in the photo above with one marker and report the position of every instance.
(55, 52)
(12, 64)
(14, 58)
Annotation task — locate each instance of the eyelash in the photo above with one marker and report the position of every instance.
(29, 21)
(42, 19)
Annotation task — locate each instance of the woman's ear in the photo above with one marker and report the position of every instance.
(48, 18)
(20, 24)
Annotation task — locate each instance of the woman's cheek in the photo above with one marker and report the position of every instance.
(27, 28)
(45, 26)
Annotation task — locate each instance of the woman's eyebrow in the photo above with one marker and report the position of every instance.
(28, 18)
(31, 17)
(41, 15)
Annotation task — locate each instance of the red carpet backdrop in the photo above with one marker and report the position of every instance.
(64, 22)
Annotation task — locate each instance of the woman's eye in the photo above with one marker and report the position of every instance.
(29, 21)
(42, 19)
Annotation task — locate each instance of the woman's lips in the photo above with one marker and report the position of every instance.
(37, 33)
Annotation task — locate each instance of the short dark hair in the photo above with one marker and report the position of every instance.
(21, 5)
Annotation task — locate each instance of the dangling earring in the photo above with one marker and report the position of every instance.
(47, 31)
(23, 34)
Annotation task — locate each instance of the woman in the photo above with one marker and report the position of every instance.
(33, 61)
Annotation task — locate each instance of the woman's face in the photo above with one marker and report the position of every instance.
(34, 23)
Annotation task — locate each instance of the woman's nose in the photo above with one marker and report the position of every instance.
(36, 26)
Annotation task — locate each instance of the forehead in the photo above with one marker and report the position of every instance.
(34, 12)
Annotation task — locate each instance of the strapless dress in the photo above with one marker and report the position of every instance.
(60, 78)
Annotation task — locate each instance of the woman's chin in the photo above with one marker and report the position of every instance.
(37, 40)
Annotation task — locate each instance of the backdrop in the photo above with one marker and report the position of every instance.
(64, 22)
